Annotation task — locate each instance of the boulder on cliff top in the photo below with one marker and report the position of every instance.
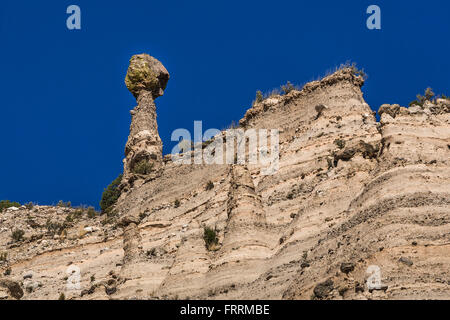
(146, 73)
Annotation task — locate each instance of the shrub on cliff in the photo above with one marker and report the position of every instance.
(288, 87)
(54, 228)
(340, 143)
(91, 213)
(4, 204)
(353, 67)
(143, 167)
(209, 186)
(259, 97)
(17, 235)
(358, 72)
(210, 237)
(63, 204)
(421, 99)
(110, 195)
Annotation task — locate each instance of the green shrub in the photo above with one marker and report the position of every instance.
(355, 70)
(62, 296)
(4, 204)
(177, 203)
(358, 72)
(428, 96)
(63, 204)
(288, 87)
(54, 227)
(209, 186)
(110, 194)
(210, 237)
(3, 256)
(143, 167)
(77, 213)
(91, 213)
(259, 97)
(71, 217)
(17, 235)
(340, 143)
(319, 109)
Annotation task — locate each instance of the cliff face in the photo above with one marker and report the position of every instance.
(351, 195)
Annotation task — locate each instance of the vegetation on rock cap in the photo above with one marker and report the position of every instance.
(146, 73)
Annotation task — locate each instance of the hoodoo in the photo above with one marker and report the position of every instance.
(146, 79)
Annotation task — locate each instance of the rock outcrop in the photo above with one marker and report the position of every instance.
(358, 209)
(146, 79)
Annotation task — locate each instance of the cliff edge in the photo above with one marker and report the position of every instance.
(358, 209)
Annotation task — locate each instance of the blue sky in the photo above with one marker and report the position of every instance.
(64, 108)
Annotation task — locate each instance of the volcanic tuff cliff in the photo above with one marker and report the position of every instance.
(350, 192)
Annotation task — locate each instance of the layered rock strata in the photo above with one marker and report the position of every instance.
(354, 201)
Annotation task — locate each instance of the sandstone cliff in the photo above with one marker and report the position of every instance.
(350, 193)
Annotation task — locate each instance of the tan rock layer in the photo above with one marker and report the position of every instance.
(350, 194)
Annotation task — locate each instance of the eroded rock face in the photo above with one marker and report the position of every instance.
(340, 197)
(351, 196)
(146, 79)
(56, 241)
